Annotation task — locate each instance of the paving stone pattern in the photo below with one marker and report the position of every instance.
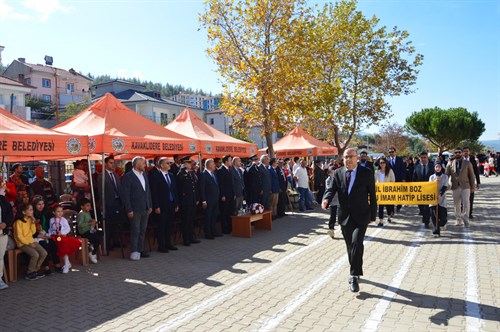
(293, 278)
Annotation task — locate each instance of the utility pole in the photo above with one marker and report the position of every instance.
(57, 97)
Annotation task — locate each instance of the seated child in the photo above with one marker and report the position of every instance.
(24, 229)
(58, 230)
(87, 228)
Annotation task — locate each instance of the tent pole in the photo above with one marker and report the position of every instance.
(103, 204)
(92, 188)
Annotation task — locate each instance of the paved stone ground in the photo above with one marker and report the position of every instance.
(293, 278)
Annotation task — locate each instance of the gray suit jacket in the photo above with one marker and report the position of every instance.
(133, 196)
(238, 183)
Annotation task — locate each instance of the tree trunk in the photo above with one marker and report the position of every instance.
(269, 141)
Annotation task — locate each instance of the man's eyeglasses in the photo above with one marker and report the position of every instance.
(350, 157)
(391, 151)
(458, 152)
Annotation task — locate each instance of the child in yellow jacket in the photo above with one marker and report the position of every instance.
(24, 229)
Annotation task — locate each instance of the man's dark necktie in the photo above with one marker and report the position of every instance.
(170, 195)
(458, 167)
(348, 179)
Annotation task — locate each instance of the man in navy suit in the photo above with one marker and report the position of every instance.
(165, 203)
(110, 200)
(136, 198)
(283, 183)
(226, 193)
(422, 173)
(355, 187)
(398, 167)
(209, 195)
(266, 182)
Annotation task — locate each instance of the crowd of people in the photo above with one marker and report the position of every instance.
(211, 190)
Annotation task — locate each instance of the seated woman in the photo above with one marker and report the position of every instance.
(59, 230)
(24, 229)
(42, 221)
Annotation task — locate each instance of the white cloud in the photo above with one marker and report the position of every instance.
(8, 12)
(125, 73)
(44, 9)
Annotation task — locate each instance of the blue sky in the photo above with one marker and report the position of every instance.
(160, 40)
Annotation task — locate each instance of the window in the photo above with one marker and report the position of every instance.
(27, 81)
(212, 121)
(70, 87)
(46, 83)
(46, 98)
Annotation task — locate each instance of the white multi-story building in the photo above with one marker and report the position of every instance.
(149, 104)
(12, 97)
(206, 103)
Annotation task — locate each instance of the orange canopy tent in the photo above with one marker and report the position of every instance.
(114, 128)
(301, 144)
(213, 142)
(20, 139)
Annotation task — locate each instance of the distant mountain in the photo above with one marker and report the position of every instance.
(495, 144)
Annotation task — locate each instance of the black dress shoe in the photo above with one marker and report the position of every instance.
(218, 235)
(163, 250)
(471, 217)
(195, 241)
(354, 285)
(144, 254)
(209, 237)
(171, 247)
(187, 244)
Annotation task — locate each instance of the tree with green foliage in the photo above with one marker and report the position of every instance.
(166, 90)
(40, 108)
(73, 109)
(446, 128)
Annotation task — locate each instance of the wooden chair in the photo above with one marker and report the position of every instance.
(5, 275)
(13, 257)
(83, 254)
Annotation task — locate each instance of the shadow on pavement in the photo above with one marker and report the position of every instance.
(446, 305)
(90, 296)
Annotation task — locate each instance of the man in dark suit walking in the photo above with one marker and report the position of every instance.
(136, 198)
(422, 173)
(363, 160)
(110, 200)
(467, 156)
(355, 187)
(238, 184)
(187, 187)
(209, 195)
(226, 193)
(165, 203)
(398, 167)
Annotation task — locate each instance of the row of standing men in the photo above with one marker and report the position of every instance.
(168, 188)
